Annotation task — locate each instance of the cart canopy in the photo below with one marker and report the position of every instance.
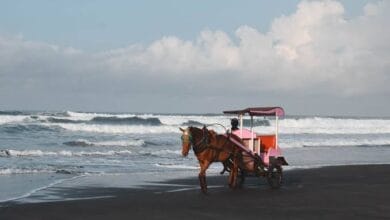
(258, 111)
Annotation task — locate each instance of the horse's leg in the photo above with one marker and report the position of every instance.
(242, 178)
(233, 173)
(224, 168)
(226, 165)
(202, 175)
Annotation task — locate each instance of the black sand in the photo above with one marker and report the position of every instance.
(344, 192)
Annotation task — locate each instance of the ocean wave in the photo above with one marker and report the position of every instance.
(17, 128)
(57, 114)
(79, 143)
(111, 120)
(256, 122)
(332, 142)
(120, 129)
(161, 152)
(8, 171)
(40, 153)
(62, 120)
(177, 166)
(192, 123)
(320, 125)
(127, 120)
(85, 143)
(6, 119)
(198, 120)
(154, 123)
(91, 115)
(12, 113)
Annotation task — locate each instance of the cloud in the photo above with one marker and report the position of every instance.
(314, 49)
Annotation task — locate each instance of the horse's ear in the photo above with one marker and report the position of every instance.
(181, 129)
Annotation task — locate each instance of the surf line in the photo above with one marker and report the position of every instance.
(28, 194)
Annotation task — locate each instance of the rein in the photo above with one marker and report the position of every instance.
(202, 144)
(209, 125)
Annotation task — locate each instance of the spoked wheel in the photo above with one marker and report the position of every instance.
(274, 176)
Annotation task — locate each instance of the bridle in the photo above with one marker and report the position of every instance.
(199, 146)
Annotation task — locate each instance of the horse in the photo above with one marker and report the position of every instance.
(210, 147)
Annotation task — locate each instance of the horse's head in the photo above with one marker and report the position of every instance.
(186, 141)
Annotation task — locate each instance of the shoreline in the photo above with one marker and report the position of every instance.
(332, 192)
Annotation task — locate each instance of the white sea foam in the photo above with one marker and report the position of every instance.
(89, 116)
(7, 171)
(122, 143)
(128, 143)
(177, 166)
(180, 119)
(319, 125)
(38, 153)
(165, 152)
(4, 119)
(119, 129)
(311, 125)
(334, 142)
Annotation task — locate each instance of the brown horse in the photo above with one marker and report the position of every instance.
(210, 147)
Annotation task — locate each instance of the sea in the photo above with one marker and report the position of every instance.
(41, 150)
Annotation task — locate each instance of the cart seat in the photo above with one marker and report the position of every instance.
(267, 142)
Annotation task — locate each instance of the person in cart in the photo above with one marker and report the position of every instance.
(234, 124)
(244, 133)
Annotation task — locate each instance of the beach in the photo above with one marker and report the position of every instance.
(93, 165)
(336, 192)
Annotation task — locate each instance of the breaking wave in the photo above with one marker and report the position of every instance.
(85, 143)
(112, 120)
(63, 120)
(379, 142)
(5, 119)
(192, 123)
(320, 125)
(127, 121)
(119, 129)
(17, 128)
(12, 113)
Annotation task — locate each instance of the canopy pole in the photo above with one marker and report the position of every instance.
(241, 124)
(277, 132)
(252, 140)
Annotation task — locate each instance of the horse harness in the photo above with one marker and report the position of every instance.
(204, 144)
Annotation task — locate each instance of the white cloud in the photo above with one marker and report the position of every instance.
(315, 48)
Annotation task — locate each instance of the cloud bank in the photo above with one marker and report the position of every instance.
(314, 50)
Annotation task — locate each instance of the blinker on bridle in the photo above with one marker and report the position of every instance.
(186, 137)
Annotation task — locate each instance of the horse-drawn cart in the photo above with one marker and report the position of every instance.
(241, 150)
(261, 154)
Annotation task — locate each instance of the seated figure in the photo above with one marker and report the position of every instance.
(234, 123)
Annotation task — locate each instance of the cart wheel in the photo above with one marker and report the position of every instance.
(274, 176)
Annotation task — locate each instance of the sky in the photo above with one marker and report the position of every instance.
(310, 57)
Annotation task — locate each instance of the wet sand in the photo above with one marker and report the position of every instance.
(342, 192)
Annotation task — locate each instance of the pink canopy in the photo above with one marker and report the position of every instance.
(259, 111)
